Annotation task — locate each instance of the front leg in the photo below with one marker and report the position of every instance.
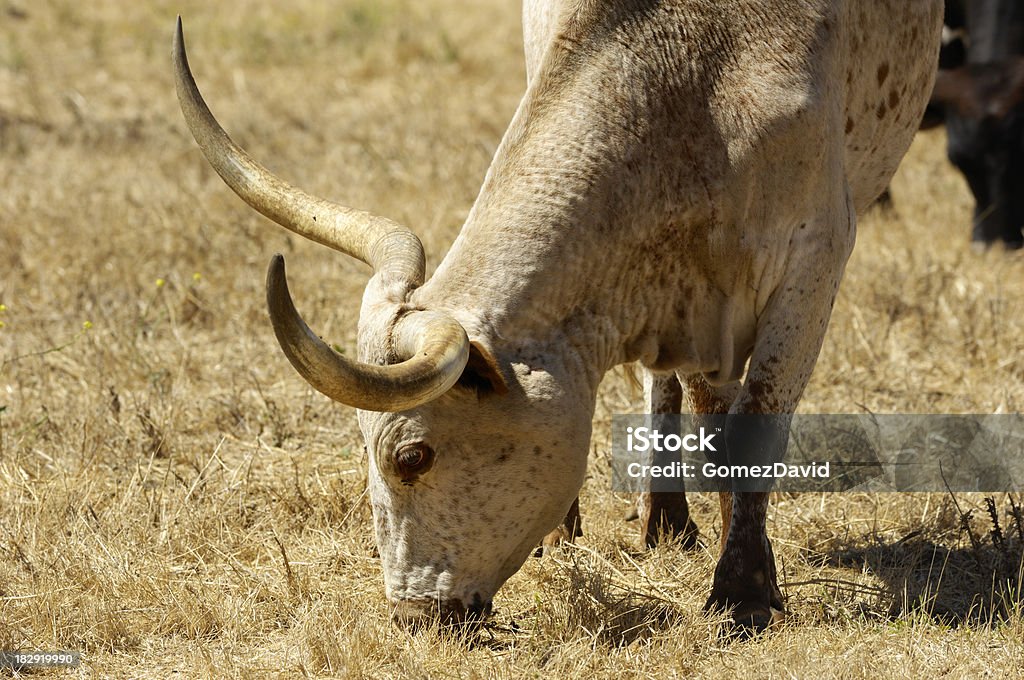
(664, 514)
(789, 337)
(745, 577)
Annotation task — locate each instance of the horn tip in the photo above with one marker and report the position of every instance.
(275, 274)
(178, 48)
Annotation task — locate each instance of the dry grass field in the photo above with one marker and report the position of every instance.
(174, 499)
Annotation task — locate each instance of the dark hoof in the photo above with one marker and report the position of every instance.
(747, 618)
(754, 603)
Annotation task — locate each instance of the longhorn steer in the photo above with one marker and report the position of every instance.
(678, 187)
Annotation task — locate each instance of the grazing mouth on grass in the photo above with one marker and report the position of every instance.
(422, 612)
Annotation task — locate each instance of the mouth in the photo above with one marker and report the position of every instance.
(420, 613)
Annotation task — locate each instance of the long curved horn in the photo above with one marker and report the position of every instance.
(436, 343)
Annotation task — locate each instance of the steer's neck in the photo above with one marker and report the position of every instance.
(542, 263)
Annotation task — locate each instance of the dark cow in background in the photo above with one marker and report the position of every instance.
(979, 94)
(953, 53)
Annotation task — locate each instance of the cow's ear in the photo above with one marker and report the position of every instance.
(482, 372)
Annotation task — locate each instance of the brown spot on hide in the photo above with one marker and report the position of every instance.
(883, 72)
(761, 394)
(702, 397)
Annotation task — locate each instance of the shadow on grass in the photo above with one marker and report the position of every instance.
(978, 584)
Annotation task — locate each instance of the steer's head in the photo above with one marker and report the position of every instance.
(464, 487)
(475, 452)
(983, 107)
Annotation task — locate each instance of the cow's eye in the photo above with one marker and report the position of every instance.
(413, 460)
